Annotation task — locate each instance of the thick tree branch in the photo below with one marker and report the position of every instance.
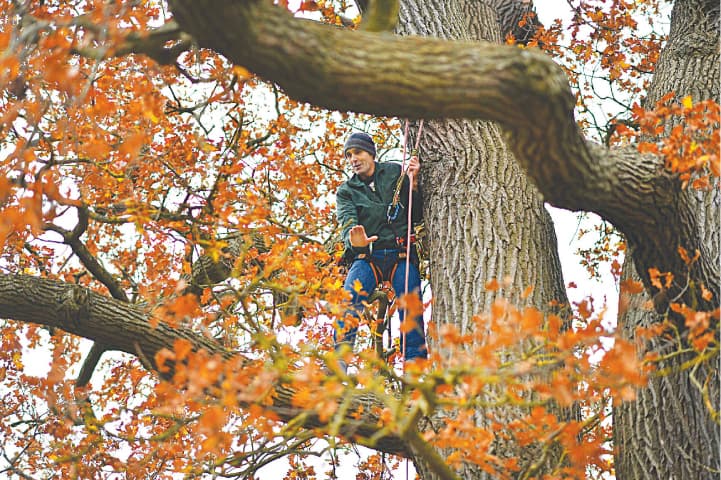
(361, 71)
(72, 238)
(126, 327)
(521, 89)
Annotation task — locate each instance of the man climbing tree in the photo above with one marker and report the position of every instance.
(373, 211)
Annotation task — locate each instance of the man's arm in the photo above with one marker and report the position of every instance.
(346, 214)
(359, 239)
(413, 171)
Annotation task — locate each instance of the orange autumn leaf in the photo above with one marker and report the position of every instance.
(492, 285)
(706, 293)
(163, 357)
(685, 257)
(182, 348)
(132, 144)
(531, 321)
(658, 279)
(357, 286)
(632, 287)
(412, 304)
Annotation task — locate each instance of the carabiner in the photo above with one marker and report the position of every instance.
(392, 212)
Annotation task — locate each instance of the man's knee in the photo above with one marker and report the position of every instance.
(360, 281)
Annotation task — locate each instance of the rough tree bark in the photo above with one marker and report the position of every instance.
(485, 219)
(668, 432)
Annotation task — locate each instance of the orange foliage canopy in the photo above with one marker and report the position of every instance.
(118, 172)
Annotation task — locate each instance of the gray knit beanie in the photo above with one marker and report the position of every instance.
(360, 140)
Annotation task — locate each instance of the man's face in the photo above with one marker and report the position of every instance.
(362, 162)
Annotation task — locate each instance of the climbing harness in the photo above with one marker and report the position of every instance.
(377, 273)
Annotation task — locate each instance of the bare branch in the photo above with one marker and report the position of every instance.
(154, 44)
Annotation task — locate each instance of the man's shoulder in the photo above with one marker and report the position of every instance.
(348, 185)
(390, 165)
(389, 169)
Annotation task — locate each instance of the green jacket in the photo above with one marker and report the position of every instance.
(358, 204)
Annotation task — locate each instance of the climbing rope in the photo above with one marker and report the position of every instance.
(410, 226)
(396, 198)
(394, 206)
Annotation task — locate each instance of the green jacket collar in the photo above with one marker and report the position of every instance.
(355, 180)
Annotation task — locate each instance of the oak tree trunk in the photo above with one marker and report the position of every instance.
(668, 431)
(486, 221)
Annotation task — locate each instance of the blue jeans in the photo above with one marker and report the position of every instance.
(361, 271)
